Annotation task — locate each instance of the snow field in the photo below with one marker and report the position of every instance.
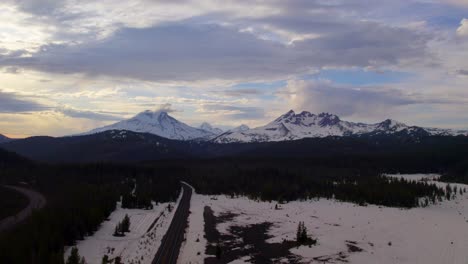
(137, 246)
(434, 234)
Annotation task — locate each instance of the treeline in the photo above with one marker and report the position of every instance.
(79, 199)
(457, 173)
(289, 181)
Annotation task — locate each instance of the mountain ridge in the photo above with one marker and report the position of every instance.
(292, 126)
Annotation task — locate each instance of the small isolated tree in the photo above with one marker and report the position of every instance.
(105, 259)
(126, 224)
(74, 257)
(122, 227)
(118, 229)
(302, 237)
(118, 260)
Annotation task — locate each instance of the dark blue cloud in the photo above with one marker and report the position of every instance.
(13, 103)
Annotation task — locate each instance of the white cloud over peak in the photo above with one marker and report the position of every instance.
(462, 30)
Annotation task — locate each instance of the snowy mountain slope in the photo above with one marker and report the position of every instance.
(291, 126)
(159, 123)
(235, 130)
(239, 128)
(207, 127)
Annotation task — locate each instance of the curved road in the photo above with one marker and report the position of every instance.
(36, 201)
(171, 242)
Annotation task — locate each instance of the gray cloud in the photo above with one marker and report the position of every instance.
(40, 8)
(236, 112)
(239, 92)
(462, 72)
(75, 113)
(13, 103)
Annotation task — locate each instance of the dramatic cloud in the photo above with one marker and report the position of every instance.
(177, 51)
(12, 103)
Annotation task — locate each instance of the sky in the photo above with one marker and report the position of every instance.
(67, 66)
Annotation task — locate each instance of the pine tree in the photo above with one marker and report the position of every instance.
(74, 257)
(105, 259)
(298, 232)
(118, 229)
(304, 236)
(219, 251)
(126, 224)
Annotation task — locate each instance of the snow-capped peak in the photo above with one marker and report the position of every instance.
(207, 127)
(240, 128)
(286, 116)
(159, 123)
(390, 125)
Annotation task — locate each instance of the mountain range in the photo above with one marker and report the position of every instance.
(289, 126)
(292, 126)
(156, 135)
(128, 146)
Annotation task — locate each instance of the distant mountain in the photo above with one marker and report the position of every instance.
(158, 123)
(231, 131)
(4, 139)
(207, 127)
(292, 126)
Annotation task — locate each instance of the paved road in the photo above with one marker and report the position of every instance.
(36, 201)
(171, 242)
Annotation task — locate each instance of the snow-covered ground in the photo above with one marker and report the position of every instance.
(434, 234)
(137, 246)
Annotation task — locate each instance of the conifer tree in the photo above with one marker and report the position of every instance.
(74, 257)
(126, 224)
(105, 259)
